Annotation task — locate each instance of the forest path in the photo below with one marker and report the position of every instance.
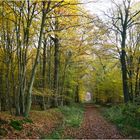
(94, 126)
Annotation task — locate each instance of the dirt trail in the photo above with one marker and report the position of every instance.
(94, 126)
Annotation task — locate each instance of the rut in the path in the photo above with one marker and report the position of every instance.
(94, 126)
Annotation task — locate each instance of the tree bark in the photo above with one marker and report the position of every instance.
(124, 68)
(29, 94)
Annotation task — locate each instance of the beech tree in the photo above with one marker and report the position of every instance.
(123, 18)
(37, 52)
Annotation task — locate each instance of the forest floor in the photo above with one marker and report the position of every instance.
(94, 126)
(39, 123)
(62, 123)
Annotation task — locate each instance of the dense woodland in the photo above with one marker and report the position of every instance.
(53, 52)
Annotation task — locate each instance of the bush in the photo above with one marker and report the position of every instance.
(16, 124)
(127, 118)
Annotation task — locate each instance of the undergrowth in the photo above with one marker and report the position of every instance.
(73, 116)
(126, 117)
(18, 124)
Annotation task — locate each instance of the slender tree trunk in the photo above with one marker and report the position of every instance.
(124, 68)
(18, 44)
(77, 100)
(131, 73)
(49, 58)
(56, 70)
(8, 58)
(29, 94)
(44, 64)
(8, 89)
(1, 91)
(63, 83)
(44, 71)
(137, 85)
(131, 85)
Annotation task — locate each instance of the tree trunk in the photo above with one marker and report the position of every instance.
(44, 64)
(56, 69)
(49, 58)
(29, 94)
(124, 68)
(77, 100)
(131, 73)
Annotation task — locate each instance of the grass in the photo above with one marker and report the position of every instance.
(126, 117)
(73, 116)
